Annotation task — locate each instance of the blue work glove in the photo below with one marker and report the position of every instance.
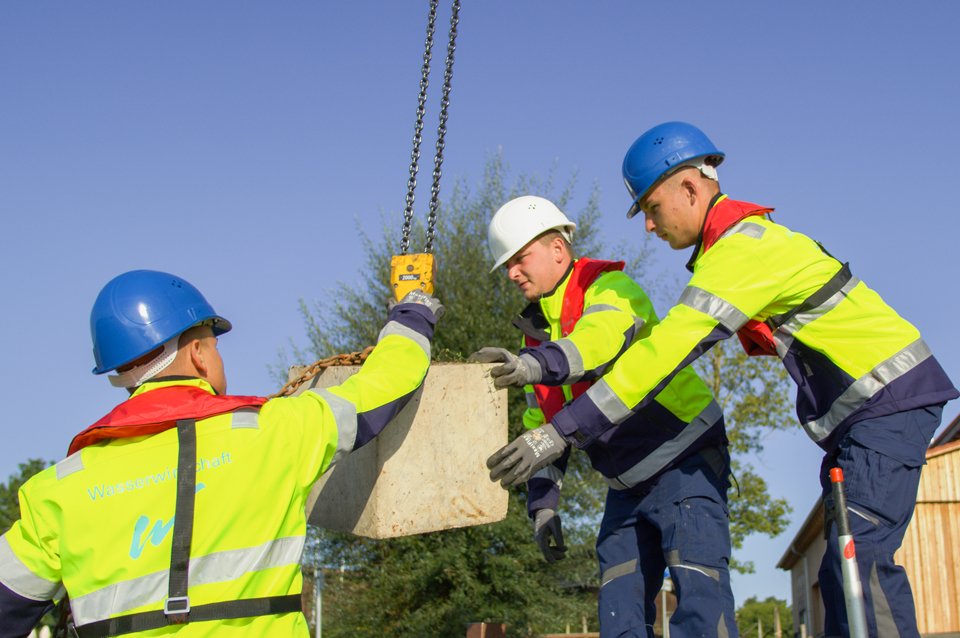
(516, 371)
(546, 528)
(516, 462)
(418, 296)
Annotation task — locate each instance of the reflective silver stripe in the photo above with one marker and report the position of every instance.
(722, 627)
(345, 416)
(574, 359)
(861, 390)
(882, 613)
(872, 519)
(204, 570)
(750, 229)
(532, 400)
(600, 307)
(638, 325)
(668, 450)
(617, 571)
(397, 328)
(609, 404)
(246, 418)
(552, 473)
(18, 578)
(783, 336)
(720, 309)
(69, 465)
(706, 571)
(672, 558)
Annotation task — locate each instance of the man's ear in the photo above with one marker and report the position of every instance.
(558, 249)
(196, 357)
(690, 191)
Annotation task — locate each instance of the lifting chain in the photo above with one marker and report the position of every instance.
(351, 359)
(356, 358)
(441, 129)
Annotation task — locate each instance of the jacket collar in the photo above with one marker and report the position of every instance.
(170, 381)
(156, 406)
(722, 214)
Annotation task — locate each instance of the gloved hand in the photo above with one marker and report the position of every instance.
(546, 527)
(518, 461)
(418, 296)
(518, 371)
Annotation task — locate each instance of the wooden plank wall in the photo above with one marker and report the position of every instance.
(929, 547)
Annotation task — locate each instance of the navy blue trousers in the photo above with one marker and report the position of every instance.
(881, 477)
(676, 521)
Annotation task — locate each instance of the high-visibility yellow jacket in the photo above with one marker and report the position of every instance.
(681, 419)
(98, 524)
(851, 355)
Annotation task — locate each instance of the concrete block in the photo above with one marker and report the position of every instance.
(426, 471)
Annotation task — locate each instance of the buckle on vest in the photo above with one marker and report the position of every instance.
(177, 610)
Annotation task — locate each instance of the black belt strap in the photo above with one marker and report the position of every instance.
(144, 621)
(827, 290)
(177, 606)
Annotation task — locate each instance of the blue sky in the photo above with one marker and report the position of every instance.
(242, 145)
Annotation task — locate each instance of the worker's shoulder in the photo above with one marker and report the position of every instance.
(753, 238)
(616, 280)
(279, 411)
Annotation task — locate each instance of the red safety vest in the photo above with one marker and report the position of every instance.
(585, 271)
(159, 410)
(756, 336)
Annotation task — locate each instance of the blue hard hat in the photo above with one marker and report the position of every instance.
(139, 310)
(660, 149)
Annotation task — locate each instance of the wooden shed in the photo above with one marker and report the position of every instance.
(929, 551)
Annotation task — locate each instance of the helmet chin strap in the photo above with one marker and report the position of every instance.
(136, 376)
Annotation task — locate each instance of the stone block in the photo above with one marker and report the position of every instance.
(426, 471)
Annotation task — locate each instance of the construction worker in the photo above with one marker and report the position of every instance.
(182, 510)
(870, 392)
(666, 466)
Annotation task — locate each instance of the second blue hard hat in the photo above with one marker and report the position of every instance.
(658, 151)
(140, 310)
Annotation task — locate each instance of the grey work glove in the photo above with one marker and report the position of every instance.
(418, 296)
(518, 371)
(546, 528)
(518, 461)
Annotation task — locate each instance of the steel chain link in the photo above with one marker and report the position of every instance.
(357, 358)
(418, 128)
(442, 128)
(351, 359)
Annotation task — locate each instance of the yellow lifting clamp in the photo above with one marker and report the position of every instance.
(412, 272)
(418, 271)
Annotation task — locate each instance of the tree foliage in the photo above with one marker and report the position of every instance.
(9, 499)
(433, 585)
(760, 615)
(754, 395)
(10, 508)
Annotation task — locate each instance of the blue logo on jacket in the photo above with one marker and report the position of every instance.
(155, 536)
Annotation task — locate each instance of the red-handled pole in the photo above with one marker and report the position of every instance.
(852, 588)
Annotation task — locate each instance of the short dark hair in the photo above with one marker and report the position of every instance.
(552, 234)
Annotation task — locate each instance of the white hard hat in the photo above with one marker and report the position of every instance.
(521, 220)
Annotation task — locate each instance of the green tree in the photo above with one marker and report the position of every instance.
(9, 500)
(435, 584)
(760, 614)
(754, 395)
(10, 507)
